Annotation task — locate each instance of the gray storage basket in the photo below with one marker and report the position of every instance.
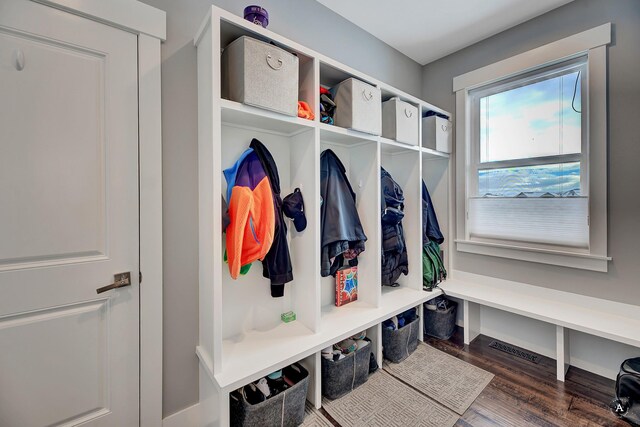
(260, 74)
(358, 106)
(344, 375)
(440, 323)
(285, 409)
(401, 121)
(398, 344)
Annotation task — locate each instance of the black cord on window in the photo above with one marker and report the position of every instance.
(575, 90)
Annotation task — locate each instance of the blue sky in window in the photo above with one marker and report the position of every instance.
(531, 121)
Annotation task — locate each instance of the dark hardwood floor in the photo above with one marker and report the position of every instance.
(523, 393)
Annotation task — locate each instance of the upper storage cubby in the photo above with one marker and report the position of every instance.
(262, 72)
(348, 101)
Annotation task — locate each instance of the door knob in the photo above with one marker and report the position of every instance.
(119, 280)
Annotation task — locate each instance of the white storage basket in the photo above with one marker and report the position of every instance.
(260, 74)
(358, 106)
(437, 133)
(400, 121)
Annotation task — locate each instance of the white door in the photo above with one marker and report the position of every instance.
(68, 219)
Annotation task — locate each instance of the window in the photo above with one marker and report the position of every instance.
(530, 130)
(528, 180)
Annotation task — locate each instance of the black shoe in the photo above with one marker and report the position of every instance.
(252, 395)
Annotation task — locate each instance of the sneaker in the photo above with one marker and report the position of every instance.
(275, 375)
(388, 324)
(362, 335)
(252, 395)
(373, 365)
(327, 353)
(394, 319)
(293, 374)
(263, 386)
(278, 386)
(346, 346)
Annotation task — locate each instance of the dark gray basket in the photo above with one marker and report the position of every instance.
(397, 345)
(342, 376)
(440, 323)
(282, 410)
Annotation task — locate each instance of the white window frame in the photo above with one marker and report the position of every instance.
(592, 44)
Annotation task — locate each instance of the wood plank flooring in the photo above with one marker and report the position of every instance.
(526, 394)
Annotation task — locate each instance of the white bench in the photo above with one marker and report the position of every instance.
(607, 319)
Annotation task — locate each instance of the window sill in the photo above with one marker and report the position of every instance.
(543, 256)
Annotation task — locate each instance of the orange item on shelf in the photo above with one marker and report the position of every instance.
(305, 111)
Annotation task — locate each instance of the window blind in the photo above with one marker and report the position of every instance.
(555, 221)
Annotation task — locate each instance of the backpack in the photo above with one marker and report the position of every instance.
(626, 405)
(433, 271)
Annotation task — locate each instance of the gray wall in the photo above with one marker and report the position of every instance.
(305, 21)
(622, 282)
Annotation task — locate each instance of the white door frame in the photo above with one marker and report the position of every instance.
(149, 24)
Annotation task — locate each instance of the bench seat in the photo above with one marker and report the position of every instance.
(607, 319)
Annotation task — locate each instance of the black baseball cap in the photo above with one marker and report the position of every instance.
(293, 207)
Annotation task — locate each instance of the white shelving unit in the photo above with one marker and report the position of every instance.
(241, 335)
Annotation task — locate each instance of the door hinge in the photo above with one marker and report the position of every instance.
(139, 277)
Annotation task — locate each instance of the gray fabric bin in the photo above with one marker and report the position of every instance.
(344, 375)
(437, 133)
(440, 323)
(358, 106)
(400, 121)
(397, 345)
(285, 409)
(260, 74)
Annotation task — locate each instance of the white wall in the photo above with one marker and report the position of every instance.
(304, 21)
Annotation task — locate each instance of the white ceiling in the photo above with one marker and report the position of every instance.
(426, 30)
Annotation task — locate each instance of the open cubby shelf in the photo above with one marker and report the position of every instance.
(241, 335)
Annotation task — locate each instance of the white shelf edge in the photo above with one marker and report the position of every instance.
(434, 153)
(343, 134)
(328, 335)
(298, 123)
(395, 147)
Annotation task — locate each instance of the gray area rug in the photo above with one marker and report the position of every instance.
(383, 401)
(444, 378)
(313, 418)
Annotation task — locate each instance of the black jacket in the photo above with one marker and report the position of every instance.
(340, 225)
(394, 249)
(430, 226)
(276, 266)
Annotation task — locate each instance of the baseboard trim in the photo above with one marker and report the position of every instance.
(188, 417)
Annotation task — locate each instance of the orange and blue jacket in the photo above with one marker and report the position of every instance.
(251, 212)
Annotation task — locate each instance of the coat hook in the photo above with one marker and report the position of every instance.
(19, 59)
